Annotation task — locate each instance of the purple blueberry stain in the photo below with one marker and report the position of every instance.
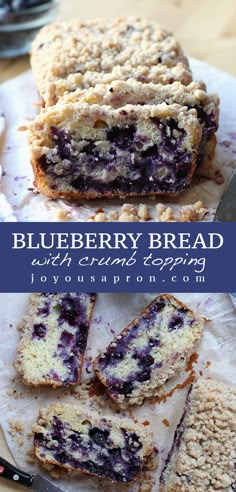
(154, 341)
(73, 338)
(62, 141)
(121, 136)
(99, 436)
(44, 310)
(146, 361)
(39, 331)
(175, 323)
(70, 310)
(143, 376)
(54, 375)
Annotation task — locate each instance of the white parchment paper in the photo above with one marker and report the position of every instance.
(216, 358)
(17, 98)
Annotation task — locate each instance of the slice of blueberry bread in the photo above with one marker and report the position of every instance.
(80, 53)
(53, 338)
(203, 454)
(149, 351)
(88, 151)
(87, 441)
(194, 95)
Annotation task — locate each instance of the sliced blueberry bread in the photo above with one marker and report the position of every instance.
(194, 95)
(78, 53)
(203, 454)
(149, 351)
(87, 441)
(89, 151)
(53, 338)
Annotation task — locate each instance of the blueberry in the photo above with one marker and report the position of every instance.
(143, 376)
(121, 136)
(115, 453)
(66, 338)
(150, 152)
(175, 323)
(58, 428)
(38, 437)
(90, 148)
(154, 342)
(159, 306)
(184, 169)
(81, 337)
(69, 310)
(146, 361)
(123, 388)
(44, 311)
(62, 457)
(98, 436)
(63, 142)
(39, 330)
(93, 468)
(133, 442)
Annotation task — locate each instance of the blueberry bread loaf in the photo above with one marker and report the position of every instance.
(202, 457)
(149, 351)
(194, 95)
(53, 339)
(84, 440)
(89, 151)
(79, 53)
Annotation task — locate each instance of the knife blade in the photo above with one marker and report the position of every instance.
(226, 211)
(38, 483)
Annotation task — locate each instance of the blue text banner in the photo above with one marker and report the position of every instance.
(117, 257)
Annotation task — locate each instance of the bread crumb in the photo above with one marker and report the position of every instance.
(113, 215)
(193, 213)
(30, 456)
(64, 214)
(15, 427)
(22, 128)
(124, 217)
(143, 212)
(168, 215)
(158, 213)
(100, 217)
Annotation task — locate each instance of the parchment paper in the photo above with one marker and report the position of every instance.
(217, 358)
(17, 97)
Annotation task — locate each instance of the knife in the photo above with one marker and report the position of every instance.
(226, 211)
(34, 482)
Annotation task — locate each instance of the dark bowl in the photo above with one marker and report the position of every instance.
(18, 29)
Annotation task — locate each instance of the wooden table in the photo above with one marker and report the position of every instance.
(206, 29)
